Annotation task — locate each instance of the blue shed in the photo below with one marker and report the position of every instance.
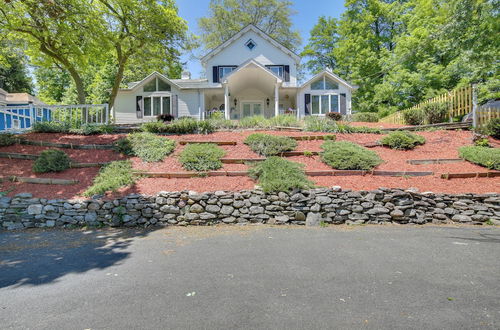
(18, 111)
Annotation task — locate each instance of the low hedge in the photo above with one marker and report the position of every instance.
(92, 129)
(484, 156)
(344, 155)
(50, 127)
(278, 174)
(270, 145)
(147, 146)
(402, 140)
(180, 126)
(111, 177)
(7, 139)
(51, 160)
(319, 124)
(368, 117)
(201, 157)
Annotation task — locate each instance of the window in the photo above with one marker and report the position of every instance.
(157, 85)
(16, 124)
(325, 103)
(156, 105)
(324, 83)
(277, 69)
(250, 44)
(39, 112)
(225, 70)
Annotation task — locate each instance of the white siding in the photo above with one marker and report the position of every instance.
(264, 53)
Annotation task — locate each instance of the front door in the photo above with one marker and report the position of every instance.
(251, 109)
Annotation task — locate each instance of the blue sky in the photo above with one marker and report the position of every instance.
(307, 15)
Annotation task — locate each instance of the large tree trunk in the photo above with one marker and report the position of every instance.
(80, 88)
(116, 83)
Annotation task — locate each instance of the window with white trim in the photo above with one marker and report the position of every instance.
(39, 112)
(157, 105)
(16, 124)
(279, 70)
(324, 84)
(225, 70)
(324, 103)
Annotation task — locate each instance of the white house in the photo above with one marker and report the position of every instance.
(250, 72)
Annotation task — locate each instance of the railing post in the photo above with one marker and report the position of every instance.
(474, 105)
(107, 113)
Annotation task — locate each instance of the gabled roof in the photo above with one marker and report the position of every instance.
(22, 98)
(257, 64)
(258, 31)
(135, 85)
(330, 74)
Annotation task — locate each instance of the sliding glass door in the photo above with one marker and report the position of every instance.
(157, 105)
(322, 104)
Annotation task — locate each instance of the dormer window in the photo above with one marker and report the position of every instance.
(157, 85)
(324, 83)
(250, 44)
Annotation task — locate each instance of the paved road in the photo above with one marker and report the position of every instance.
(253, 277)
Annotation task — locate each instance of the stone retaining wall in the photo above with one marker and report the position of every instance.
(332, 205)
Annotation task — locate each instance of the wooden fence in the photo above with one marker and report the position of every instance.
(460, 103)
(485, 115)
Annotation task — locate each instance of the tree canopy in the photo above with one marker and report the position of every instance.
(226, 17)
(401, 52)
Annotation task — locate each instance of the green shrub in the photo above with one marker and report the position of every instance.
(269, 145)
(254, 122)
(402, 140)
(222, 123)
(493, 128)
(185, 125)
(7, 139)
(345, 155)
(364, 129)
(111, 177)
(334, 116)
(484, 156)
(284, 120)
(201, 157)
(51, 160)
(435, 113)
(279, 174)
(482, 142)
(368, 117)
(319, 124)
(92, 129)
(205, 127)
(147, 146)
(50, 127)
(154, 127)
(414, 117)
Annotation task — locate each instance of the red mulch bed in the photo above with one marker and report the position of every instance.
(440, 144)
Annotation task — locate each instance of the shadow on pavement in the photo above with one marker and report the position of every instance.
(39, 257)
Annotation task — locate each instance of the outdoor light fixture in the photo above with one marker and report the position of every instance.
(267, 101)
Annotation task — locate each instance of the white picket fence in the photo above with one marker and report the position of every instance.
(20, 118)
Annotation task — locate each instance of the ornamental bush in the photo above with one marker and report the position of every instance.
(402, 140)
(186, 125)
(7, 139)
(50, 127)
(435, 113)
(483, 156)
(51, 160)
(414, 117)
(344, 155)
(254, 122)
(147, 146)
(92, 129)
(111, 177)
(201, 157)
(284, 120)
(334, 116)
(493, 128)
(270, 145)
(279, 174)
(368, 117)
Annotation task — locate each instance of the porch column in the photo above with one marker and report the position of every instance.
(276, 100)
(226, 102)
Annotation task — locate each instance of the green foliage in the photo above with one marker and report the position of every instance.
(318, 124)
(51, 160)
(284, 120)
(269, 145)
(201, 157)
(154, 127)
(436, 113)
(111, 177)
(482, 142)
(147, 146)
(271, 16)
(278, 174)
(92, 129)
(402, 140)
(205, 127)
(221, 123)
(484, 156)
(14, 74)
(414, 117)
(7, 139)
(345, 155)
(493, 128)
(254, 122)
(185, 125)
(50, 127)
(368, 117)
(323, 39)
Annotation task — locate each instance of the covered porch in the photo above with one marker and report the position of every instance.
(251, 90)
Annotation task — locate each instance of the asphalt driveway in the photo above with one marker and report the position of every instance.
(252, 277)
